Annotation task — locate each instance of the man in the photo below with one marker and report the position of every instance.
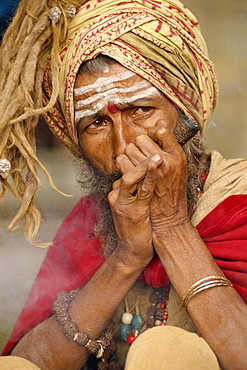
(131, 74)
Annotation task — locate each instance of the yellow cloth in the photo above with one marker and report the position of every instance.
(160, 40)
(226, 177)
(170, 348)
(16, 363)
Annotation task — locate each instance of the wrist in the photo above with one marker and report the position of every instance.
(184, 255)
(131, 260)
(166, 233)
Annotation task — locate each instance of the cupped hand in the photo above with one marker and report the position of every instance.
(129, 201)
(168, 205)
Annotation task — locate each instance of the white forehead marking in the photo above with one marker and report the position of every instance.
(116, 100)
(106, 69)
(112, 91)
(102, 81)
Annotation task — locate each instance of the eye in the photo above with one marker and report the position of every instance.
(97, 124)
(139, 111)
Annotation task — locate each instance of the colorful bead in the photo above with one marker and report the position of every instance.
(154, 298)
(157, 315)
(157, 322)
(70, 11)
(150, 322)
(5, 165)
(135, 332)
(127, 318)
(55, 14)
(130, 338)
(125, 330)
(138, 322)
(151, 310)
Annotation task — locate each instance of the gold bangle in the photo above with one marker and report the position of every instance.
(202, 284)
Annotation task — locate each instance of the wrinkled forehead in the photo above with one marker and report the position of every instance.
(118, 86)
(100, 84)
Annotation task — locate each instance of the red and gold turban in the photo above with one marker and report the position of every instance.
(159, 40)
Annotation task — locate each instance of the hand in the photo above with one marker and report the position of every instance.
(129, 201)
(168, 206)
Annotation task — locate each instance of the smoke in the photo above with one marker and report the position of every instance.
(20, 262)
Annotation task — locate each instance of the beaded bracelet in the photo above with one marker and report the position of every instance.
(202, 284)
(71, 329)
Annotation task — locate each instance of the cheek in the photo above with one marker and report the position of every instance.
(98, 153)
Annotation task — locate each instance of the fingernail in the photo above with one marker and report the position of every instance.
(156, 158)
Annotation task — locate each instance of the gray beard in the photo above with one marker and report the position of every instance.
(99, 185)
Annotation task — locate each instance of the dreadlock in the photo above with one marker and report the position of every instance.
(29, 37)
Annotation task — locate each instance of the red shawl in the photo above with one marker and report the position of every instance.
(76, 255)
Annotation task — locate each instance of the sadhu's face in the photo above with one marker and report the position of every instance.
(112, 108)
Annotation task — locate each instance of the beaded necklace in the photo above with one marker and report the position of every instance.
(133, 325)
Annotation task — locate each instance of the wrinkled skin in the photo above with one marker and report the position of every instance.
(127, 138)
(129, 128)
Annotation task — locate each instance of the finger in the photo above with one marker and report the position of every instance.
(163, 137)
(134, 154)
(147, 145)
(113, 195)
(146, 189)
(116, 184)
(131, 179)
(124, 164)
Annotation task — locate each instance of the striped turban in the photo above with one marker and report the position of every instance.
(159, 40)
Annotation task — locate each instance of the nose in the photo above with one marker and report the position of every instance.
(123, 134)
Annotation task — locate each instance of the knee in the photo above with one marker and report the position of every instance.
(171, 348)
(16, 363)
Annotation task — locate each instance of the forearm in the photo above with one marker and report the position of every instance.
(219, 313)
(46, 345)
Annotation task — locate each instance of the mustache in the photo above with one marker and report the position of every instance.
(91, 179)
(103, 181)
(99, 184)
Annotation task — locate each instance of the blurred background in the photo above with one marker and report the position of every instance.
(224, 25)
